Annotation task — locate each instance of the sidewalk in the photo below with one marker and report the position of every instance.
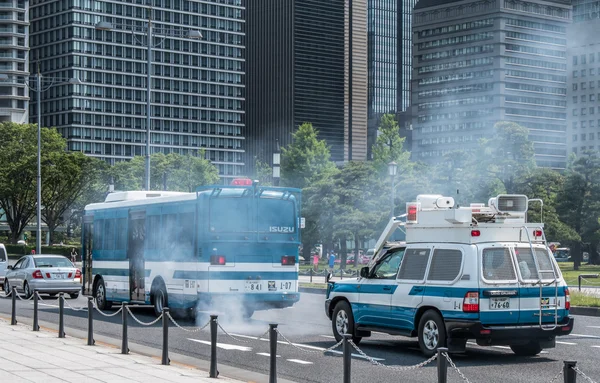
(28, 356)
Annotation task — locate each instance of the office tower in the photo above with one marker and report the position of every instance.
(583, 71)
(390, 60)
(14, 49)
(306, 63)
(197, 98)
(479, 62)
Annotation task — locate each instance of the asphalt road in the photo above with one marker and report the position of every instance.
(307, 326)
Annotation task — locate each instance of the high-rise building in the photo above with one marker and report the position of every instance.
(389, 59)
(583, 71)
(479, 62)
(14, 48)
(197, 98)
(306, 62)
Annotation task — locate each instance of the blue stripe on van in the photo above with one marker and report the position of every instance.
(235, 275)
(364, 289)
(456, 292)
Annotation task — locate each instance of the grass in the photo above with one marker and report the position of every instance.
(571, 276)
(584, 298)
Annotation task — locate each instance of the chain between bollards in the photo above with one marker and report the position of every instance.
(90, 337)
(13, 314)
(273, 353)
(36, 326)
(165, 345)
(213, 347)
(569, 373)
(61, 315)
(442, 365)
(347, 357)
(124, 343)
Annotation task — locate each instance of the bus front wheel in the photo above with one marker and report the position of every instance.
(100, 295)
(160, 299)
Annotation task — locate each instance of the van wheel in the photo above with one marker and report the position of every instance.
(343, 322)
(432, 333)
(530, 349)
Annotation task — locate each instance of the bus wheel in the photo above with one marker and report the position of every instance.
(101, 301)
(160, 299)
(247, 312)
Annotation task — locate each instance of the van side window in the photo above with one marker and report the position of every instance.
(414, 264)
(388, 268)
(445, 265)
(497, 265)
(2, 255)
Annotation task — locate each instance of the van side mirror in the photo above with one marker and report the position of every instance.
(9, 267)
(364, 272)
(329, 275)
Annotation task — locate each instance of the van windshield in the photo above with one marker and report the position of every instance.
(2, 255)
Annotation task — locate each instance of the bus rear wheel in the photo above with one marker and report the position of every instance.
(160, 299)
(100, 295)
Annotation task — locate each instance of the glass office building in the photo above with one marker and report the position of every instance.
(197, 98)
(480, 62)
(14, 47)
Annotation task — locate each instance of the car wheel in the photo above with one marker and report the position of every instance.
(343, 322)
(530, 349)
(101, 301)
(6, 287)
(27, 290)
(432, 333)
(73, 295)
(160, 299)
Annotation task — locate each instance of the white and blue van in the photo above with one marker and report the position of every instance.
(478, 272)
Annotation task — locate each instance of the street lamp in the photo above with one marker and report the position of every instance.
(38, 89)
(276, 164)
(150, 32)
(392, 169)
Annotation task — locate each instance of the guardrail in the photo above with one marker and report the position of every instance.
(584, 276)
(569, 370)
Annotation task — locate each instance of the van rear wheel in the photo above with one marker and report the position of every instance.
(432, 333)
(530, 349)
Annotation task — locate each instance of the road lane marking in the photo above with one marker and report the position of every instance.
(299, 361)
(586, 336)
(567, 343)
(281, 342)
(327, 336)
(224, 346)
(354, 355)
(596, 346)
(593, 326)
(267, 354)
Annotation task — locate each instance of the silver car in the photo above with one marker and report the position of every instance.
(50, 274)
(3, 263)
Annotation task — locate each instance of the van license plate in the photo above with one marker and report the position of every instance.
(253, 286)
(499, 303)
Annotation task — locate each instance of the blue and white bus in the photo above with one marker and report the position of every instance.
(235, 245)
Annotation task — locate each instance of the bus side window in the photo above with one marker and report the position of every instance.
(186, 227)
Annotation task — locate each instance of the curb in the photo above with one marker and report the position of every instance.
(312, 290)
(174, 358)
(587, 311)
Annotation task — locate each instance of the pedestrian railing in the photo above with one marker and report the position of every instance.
(569, 370)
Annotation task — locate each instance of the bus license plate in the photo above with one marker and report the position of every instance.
(253, 286)
(499, 303)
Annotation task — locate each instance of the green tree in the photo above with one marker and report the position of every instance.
(68, 177)
(579, 204)
(389, 146)
(263, 172)
(306, 159)
(18, 171)
(188, 172)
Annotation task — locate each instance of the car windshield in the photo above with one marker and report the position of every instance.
(561, 253)
(52, 262)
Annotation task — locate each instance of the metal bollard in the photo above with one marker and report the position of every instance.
(124, 343)
(13, 314)
(568, 371)
(273, 353)
(61, 315)
(36, 326)
(347, 358)
(90, 340)
(442, 365)
(311, 272)
(165, 346)
(213, 347)
(341, 274)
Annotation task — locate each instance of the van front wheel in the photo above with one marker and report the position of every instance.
(342, 322)
(530, 349)
(432, 333)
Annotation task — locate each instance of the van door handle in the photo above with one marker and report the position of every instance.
(387, 288)
(417, 288)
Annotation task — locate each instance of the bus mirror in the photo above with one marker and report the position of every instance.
(364, 272)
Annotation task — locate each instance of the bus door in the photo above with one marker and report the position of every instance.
(86, 253)
(135, 253)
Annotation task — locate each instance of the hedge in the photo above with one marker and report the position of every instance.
(23, 250)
